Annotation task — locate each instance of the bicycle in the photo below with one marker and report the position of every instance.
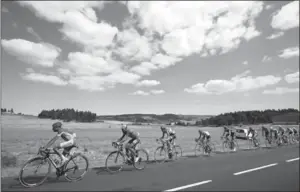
(126, 158)
(253, 142)
(204, 148)
(231, 145)
(46, 156)
(162, 153)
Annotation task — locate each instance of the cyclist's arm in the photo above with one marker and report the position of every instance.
(163, 135)
(52, 141)
(121, 138)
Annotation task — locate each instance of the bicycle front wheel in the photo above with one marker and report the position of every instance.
(177, 151)
(117, 159)
(35, 179)
(160, 154)
(225, 146)
(198, 149)
(73, 167)
(143, 159)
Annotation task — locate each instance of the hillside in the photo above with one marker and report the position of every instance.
(153, 118)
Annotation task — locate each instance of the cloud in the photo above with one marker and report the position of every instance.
(268, 7)
(87, 64)
(73, 16)
(281, 91)
(4, 9)
(289, 52)
(144, 68)
(32, 32)
(133, 46)
(266, 59)
(164, 61)
(276, 35)
(42, 54)
(139, 92)
(245, 63)
(238, 83)
(148, 83)
(292, 77)
(157, 92)
(188, 28)
(44, 78)
(287, 17)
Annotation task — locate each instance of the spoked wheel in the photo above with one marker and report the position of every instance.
(198, 149)
(160, 154)
(114, 162)
(35, 178)
(226, 147)
(211, 148)
(143, 159)
(177, 151)
(78, 165)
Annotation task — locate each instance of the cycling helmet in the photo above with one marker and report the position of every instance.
(200, 131)
(124, 127)
(163, 128)
(56, 126)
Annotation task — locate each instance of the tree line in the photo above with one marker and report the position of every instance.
(4, 110)
(68, 115)
(246, 117)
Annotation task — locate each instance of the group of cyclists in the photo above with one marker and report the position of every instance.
(168, 136)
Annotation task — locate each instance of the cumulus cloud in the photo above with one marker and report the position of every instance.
(42, 54)
(157, 92)
(238, 83)
(292, 77)
(275, 35)
(192, 27)
(266, 59)
(289, 52)
(148, 83)
(44, 78)
(144, 68)
(287, 17)
(139, 92)
(32, 32)
(164, 61)
(281, 91)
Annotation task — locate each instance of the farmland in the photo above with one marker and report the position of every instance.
(22, 136)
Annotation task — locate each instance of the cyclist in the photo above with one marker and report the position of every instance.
(295, 131)
(170, 136)
(281, 130)
(265, 131)
(290, 131)
(132, 143)
(228, 132)
(203, 135)
(274, 131)
(254, 134)
(68, 137)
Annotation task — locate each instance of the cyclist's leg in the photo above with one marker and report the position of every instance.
(65, 145)
(127, 146)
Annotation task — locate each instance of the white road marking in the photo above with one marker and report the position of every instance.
(188, 186)
(254, 169)
(290, 160)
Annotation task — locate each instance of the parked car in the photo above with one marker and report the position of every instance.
(241, 133)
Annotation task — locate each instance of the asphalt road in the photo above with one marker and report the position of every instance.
(251, 170)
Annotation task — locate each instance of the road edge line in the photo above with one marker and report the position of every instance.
(290, 160)
(188, 186)
(254, 169)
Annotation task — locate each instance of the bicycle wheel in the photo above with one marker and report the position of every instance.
(118, 159)
(76, 168)
(160, 154)
(212, 147)
(268, 142)
(198, 149)
(41, 178)
(177, 151)
(225, 146)
(143, 159)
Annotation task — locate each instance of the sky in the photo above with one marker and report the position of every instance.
(182, 57)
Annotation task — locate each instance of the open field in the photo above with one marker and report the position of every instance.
(22, 136)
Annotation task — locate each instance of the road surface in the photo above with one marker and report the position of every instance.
(251, 170)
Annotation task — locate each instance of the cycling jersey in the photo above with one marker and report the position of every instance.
(168, 132)
(295, 130)
(68, 136)
(130, 133)
(281, 130)
(290, 130)
(253, 132)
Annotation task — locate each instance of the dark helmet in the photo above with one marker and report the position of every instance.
(56, 126)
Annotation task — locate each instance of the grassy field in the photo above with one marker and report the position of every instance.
(22, 136)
